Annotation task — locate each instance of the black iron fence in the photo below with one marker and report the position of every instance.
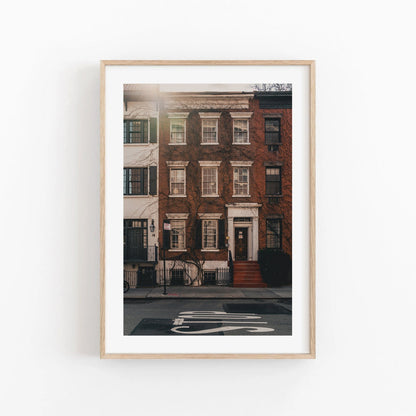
(149, 277)
(135, 254)
(142, 277)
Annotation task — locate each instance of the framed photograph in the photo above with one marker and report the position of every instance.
(207, 209)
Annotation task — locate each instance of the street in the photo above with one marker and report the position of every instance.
(208, 316)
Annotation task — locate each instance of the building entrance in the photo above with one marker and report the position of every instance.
(240, 239)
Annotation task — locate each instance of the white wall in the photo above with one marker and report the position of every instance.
(49, 214)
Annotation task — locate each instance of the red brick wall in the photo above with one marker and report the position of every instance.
(283, 155)
(225, 152)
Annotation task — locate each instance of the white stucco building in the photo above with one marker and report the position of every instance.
(140, 182)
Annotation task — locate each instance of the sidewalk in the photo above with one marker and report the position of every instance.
(207, 292)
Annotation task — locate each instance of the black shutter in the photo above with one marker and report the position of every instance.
(198, 234)
(144, 174)
(153, 130)
(221, 233)
(153, 180)
(166, 236)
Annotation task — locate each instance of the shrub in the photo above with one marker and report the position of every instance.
(276, 267)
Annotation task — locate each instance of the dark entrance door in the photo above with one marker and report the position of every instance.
(135, 244)
(240, 238)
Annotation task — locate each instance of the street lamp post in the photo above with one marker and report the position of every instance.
(164, 271)
(166, 239)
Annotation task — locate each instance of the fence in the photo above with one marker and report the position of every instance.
(143, 277)
(135, 254)
(148, 277)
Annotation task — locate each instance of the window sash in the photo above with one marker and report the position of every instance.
(177, 237)
(177, 181)
(273, 181)
(272, 131)
(241, 181)
(135, 181)
(136, 131)
(209, 131)
(240, 131)
(209, 234)
(209, 181)
(177, 131)
(274, 233)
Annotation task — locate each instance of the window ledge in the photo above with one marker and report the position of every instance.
(139, 196)
(138, 144)
(212, 250)
(178, 250)
(210, 144)
(241, 144)
(177, 144)
(241, 196)
(177, 196)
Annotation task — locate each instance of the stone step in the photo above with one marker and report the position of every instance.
(250, 285)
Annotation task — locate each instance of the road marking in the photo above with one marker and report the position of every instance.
(221, 329)
(220, 318)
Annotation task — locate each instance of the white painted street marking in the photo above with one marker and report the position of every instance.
(220, 318)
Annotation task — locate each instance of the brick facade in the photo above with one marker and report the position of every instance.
(225, 152)
(232, 219)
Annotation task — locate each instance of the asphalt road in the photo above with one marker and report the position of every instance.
(208, 317)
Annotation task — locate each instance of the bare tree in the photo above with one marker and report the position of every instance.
(271, 87)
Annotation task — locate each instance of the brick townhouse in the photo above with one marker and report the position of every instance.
(225, 183)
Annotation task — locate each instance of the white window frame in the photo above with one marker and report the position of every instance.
(182, 248)
(204, 248)
(209, 164)
(209, 217)
(177, 165)
(241, 117)
(209, 116)
(176, 117)
(242, 164)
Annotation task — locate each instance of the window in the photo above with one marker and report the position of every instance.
(210, 277)
(177, 131)
(242, 219)
(209, 131)
(177, 236)
(177, 277)
(140, 181)
(136, 131)
(241, 181)
(272, 130)
(274, 233)
(177, 181)
(135, 181)
(273, 181)
(135, 240)
(241, 131)
(209, 234)
(209, 181)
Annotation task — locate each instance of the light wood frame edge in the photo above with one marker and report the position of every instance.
(312, 213)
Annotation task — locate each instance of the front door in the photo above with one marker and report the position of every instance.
(240, 238)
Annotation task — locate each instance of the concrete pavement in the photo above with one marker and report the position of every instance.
(209, 292)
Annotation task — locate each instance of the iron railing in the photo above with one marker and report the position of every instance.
(183, 277)
(149, 254)
(149, 277)
(231, 267)
(143, 277)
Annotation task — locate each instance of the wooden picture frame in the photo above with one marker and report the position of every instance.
(308, 73)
